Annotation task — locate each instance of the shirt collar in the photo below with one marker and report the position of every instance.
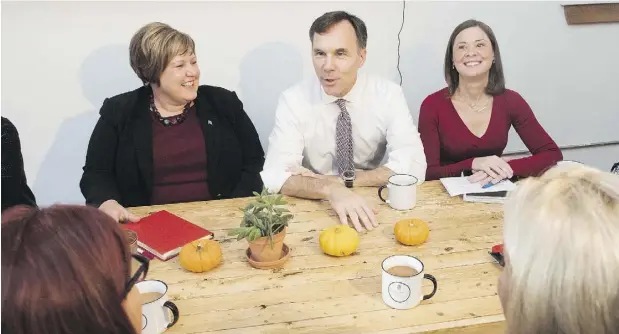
(352, 96)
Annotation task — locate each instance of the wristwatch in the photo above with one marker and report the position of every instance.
(349, 178)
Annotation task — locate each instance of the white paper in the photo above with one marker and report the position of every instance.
(460, 185)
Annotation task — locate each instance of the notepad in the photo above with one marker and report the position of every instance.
(460, 185)
(163, 234)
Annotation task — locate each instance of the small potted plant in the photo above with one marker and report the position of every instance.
(264, 226)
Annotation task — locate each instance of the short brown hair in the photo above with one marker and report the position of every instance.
(496, 80)
(153, 47)
(64, 270)
(328, 20)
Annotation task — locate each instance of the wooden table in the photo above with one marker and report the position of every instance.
(315, 293)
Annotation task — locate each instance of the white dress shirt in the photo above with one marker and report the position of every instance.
(304, 131)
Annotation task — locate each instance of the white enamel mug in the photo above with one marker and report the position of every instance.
(402, 192)
(404, 292)
(156, 316)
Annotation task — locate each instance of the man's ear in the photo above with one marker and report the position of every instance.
(362, 55)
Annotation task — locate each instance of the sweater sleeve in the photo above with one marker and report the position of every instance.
(544, 151)
(429, 130)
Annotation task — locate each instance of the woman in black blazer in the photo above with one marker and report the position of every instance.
(171, 140)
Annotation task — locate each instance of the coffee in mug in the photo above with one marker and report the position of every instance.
(402, 190)
(402, 271)
(158, 313)
(402, 276)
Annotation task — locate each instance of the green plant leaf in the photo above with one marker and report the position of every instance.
(264, 216)
(278, 228)
(236, 231)
(254, 234)
(240, 232)
(259, 223)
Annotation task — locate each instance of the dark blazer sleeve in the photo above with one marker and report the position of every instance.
(98, 183)
(253, 154)
(15, 190)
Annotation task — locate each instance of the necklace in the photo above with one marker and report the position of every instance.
(475, 106)
(172, 120)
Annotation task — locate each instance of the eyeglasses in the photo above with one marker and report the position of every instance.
(139, 274)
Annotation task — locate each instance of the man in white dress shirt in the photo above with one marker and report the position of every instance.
(339, 125)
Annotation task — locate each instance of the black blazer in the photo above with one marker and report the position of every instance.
(15, 190)
(119, 160)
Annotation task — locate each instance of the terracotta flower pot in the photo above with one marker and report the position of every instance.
(261, 250)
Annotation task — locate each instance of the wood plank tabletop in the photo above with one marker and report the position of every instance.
(316, 293)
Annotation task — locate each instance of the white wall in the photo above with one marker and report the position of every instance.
(602, 157)
(61, 59)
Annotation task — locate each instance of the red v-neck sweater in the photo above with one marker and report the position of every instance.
(450, 146)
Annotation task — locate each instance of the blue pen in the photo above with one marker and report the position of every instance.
(490, 184)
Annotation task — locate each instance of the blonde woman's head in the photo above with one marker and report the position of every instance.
(562, 251)
(166, 59)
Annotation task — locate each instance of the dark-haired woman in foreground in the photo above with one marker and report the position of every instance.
(66, 270)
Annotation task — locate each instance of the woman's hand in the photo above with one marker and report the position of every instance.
(495, 167)
(480, 177)
(117, 211)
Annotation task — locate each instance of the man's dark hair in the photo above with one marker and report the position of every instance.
(328, 20)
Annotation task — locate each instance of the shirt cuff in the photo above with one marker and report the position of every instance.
(274, 179)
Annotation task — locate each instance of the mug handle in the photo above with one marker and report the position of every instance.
(174, 310)
(433, 280)
(380, 193)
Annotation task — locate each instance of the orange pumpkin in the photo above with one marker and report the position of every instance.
(339, 240)
(411, 232)
(200, 256)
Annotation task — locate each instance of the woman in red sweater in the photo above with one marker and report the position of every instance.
(464, 126)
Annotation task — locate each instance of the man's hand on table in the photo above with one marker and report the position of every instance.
(118, 212)
(345, 202)
(348, 204)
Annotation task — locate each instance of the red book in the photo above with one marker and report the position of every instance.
(164, 234)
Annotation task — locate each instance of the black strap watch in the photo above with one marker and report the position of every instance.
(348, 177)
